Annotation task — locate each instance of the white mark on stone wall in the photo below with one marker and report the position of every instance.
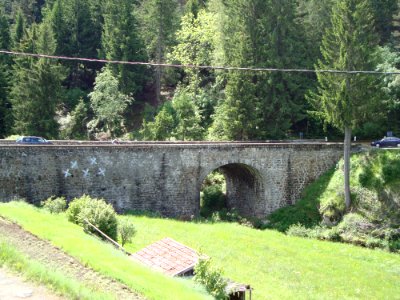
(93, 161)
(102, 172)
(74, 164)
(86, 173)
(67, 173)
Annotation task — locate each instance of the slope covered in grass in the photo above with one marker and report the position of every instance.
(282, 267)
(275, 265)
(55, 280)
(374, 219)
(100, 256)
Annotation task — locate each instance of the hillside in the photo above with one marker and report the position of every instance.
(374, 219)
(275, 265)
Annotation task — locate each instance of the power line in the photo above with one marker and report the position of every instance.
(182, 66)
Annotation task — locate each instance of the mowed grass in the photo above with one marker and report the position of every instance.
(100, 256)
(275, 265)
(279, 266)
(56, 281)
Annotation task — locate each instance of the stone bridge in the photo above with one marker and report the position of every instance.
(165, 177)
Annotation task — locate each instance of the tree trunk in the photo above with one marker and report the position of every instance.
(347, 149)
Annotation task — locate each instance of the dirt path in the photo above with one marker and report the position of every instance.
(13, 287)
(55, 258)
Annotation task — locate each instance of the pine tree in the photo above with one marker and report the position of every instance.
(5, 64)
(345, 100)
(158, 23)
(78, 35)
(121, 41)
(252, 38)
(19, 28)
(383, 12)
(35, 93)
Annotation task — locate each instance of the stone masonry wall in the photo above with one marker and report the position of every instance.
(165, 177)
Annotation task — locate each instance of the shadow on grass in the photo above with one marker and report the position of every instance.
(305, 211)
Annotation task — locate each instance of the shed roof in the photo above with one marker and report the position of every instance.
(168, 256)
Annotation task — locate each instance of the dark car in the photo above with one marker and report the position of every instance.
(32, 140)
(387, 142)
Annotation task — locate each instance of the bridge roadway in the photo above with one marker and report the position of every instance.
(165, 176)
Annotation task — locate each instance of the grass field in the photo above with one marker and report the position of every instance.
(275, 265)
(54, 280)
(100, 256)
(282, 267)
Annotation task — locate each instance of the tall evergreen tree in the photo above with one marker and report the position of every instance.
(346, 100)
(383, 12)
(79, 35)
(253, 38)
(35, 93)
(5, 64)
(19, 28)
(159, 22)
(121, 41)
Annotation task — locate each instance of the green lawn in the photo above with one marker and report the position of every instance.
(100, 256)
(275, 265)
(282, 267)
(56, 281)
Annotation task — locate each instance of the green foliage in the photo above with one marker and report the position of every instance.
(188, 117)
(195, 46)
(259, 105)
(97, 212)
(349, 44)
(126, 231)
(36, 88)
(179, 119)
(121, 41)
(75, 126)
(305, 211)
(162, 127)
(5, 63)
(211, 278)
(75, 207)
(375, 216)
(212, 200)
(158, 23)
(55, 205)
(19, 28)
(108, 104)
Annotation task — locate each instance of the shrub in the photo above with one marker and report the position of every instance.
(211, 278)
(298, 230)
(126, 231)
(55, 205)
(213, 199)
(97, 212)
(75, 207)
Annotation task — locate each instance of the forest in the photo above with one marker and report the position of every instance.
(71, 99)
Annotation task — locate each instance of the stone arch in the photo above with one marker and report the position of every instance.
(244, 187)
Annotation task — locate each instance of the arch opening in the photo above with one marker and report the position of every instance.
(234, 186)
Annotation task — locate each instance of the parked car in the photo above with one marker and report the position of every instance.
(387, 142)
(34, 140)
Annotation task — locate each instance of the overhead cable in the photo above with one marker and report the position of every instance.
(190, 66)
